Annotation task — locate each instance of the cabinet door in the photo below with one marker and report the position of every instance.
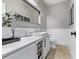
(29, 52)
(46, 46)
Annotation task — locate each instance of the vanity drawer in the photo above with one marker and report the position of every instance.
(29, 52)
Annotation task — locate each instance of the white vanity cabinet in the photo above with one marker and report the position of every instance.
(32, 50)
(29, 52)
(46, 46)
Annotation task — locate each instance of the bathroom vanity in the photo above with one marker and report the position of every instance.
(34, 47)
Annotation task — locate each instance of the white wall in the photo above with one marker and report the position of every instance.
(61, 36)
(58, 22)
(58, 15)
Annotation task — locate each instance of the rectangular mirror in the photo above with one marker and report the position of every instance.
(25, 14)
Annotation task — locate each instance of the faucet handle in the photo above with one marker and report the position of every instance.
(28, 34)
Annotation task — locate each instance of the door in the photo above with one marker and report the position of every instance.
(72, 43)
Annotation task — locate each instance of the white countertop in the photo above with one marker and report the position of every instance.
(13, 47)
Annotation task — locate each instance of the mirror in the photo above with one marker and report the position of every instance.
(71, 13)
(21, 13)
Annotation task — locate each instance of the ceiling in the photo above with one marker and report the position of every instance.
(51, 2)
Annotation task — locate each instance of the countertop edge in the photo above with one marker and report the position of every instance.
(18, 49)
